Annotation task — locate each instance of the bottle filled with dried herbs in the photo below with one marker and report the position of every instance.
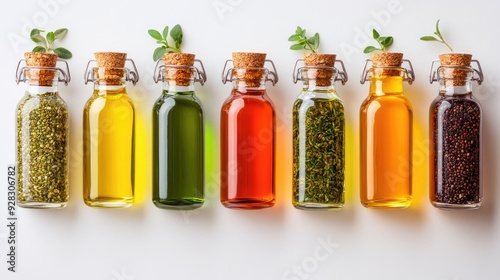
(386, 131)
(318, 135)
(248, 128)
(109, 133)
(178, 135)
(455, 134)
(42, 134)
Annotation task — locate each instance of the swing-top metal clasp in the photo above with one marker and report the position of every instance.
(477, 71)
(21, 71)
(130, 75)
(272, 75)
(200, 75)
(340, 73)
(409, 74)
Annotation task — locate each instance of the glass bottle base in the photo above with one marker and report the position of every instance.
(318, 206)
(387, 203)
(107, 202)
(448, 206)
(42, 205)
(248, 204)
(179, 204)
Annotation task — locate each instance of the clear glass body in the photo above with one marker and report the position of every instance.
(178, 148)
(318, 145)
(109, 142)
(455, 143)
(248, 124)
(386, 142)
(42, 137)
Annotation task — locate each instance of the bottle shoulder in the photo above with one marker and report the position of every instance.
(443, 102)
(177, 102)
(389, 102)
(46, 101)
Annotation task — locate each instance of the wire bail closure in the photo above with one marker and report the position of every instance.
(340, 75)
(200, 75)
(272, 76)
(409, 74)
(21, 75)
(130, 75)
(477, 76)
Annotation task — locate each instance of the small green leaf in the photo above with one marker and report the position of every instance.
(51, 37)
(165, 32)
(39, 49)
(428, 38)
(297, 47)
(376, 35)
(155, 34)
(159, 53)
(387, 42)
(60, 33)
(312, 41)
(437, 29)
(35, 31)
(39, 39)
(370, 49)
(298, 31)
(293, 38)
(316, 46)
(439, 37)
(63, 53)
(176, 34)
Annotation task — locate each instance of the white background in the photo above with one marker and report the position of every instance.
(144, 242)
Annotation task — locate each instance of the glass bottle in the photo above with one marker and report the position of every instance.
(248, 123)
(109, 134)
(455, 135)
(318, 135)
(178, 135)
(42, 134)
(386, 134)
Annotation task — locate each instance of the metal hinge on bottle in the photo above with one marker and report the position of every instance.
(340, 75)
(200, 75)
(272, 76)
(409, 74)
(21, 73)
(130, 76)
(477, 72)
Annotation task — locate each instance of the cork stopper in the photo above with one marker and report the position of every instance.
(110, 67)
(181, 76)
(41, 77)
(455, 76)
(387, 59)
(246, 61)
(323, 76)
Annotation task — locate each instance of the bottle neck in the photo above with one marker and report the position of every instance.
(170, 87)
(385, 81)
(249, 79)
(455, 81)
(113, 89)
(312, 85)
(34, 89)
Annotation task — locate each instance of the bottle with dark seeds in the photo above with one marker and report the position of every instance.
(455, 135)
(318, 136)
(42, 134)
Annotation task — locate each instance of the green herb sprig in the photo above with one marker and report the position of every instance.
(162, 39)
(46, 44)
(384, 42)
(302, 42)
(439, 37)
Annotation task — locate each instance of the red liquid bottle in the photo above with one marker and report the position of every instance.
(248, 124)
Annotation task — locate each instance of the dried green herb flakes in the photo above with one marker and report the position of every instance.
(318, 151)
(42, 149)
